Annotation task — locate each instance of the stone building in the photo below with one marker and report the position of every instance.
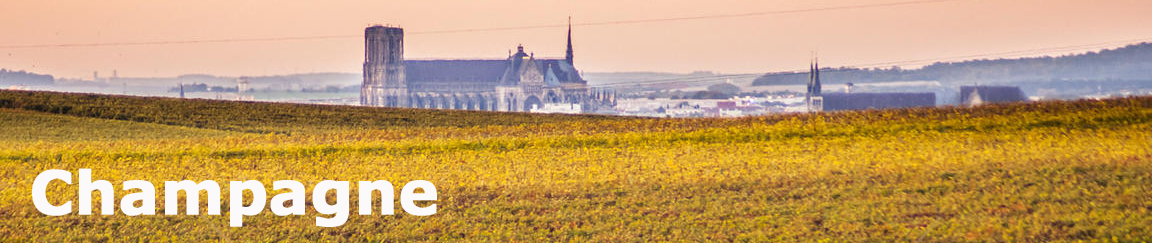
(520, 82)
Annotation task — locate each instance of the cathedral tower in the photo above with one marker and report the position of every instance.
(384, 79)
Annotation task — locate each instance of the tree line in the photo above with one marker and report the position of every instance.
(1126, 63)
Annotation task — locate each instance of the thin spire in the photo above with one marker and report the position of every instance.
(568, 55)
(817, 87)
(814, 86)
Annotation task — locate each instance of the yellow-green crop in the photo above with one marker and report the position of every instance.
(1049, 171)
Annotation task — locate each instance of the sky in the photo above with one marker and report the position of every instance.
(750, 44)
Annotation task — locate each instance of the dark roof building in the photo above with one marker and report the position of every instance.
(864, 101)
(976, 95)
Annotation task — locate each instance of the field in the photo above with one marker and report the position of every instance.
(1048, 171)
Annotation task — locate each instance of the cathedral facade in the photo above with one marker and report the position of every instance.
(520, 82)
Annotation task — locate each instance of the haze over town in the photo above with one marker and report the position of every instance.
(751, 44)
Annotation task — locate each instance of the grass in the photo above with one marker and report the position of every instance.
(29, 126)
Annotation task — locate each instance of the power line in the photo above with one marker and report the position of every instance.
(231, 40)
(603, 23)
(778, 12)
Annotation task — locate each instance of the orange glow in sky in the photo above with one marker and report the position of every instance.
(729, 45)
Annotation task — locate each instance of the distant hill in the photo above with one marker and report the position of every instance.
(600, 78)
(279, 82)
(1133, 62)
(162, 85)
(10, 77)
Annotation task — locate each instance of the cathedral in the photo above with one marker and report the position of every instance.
(519, 83)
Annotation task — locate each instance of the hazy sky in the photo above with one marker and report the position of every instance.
(728, 45)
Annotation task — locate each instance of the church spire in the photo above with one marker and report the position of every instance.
(568, 54)
(813, 99)
(816, 77)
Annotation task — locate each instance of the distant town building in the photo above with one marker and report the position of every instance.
(977, 95)
(726, 105)
(559, 108)
(520, 82)
(22, 79)
(242, 84)
(973, 99)
(733, 109)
